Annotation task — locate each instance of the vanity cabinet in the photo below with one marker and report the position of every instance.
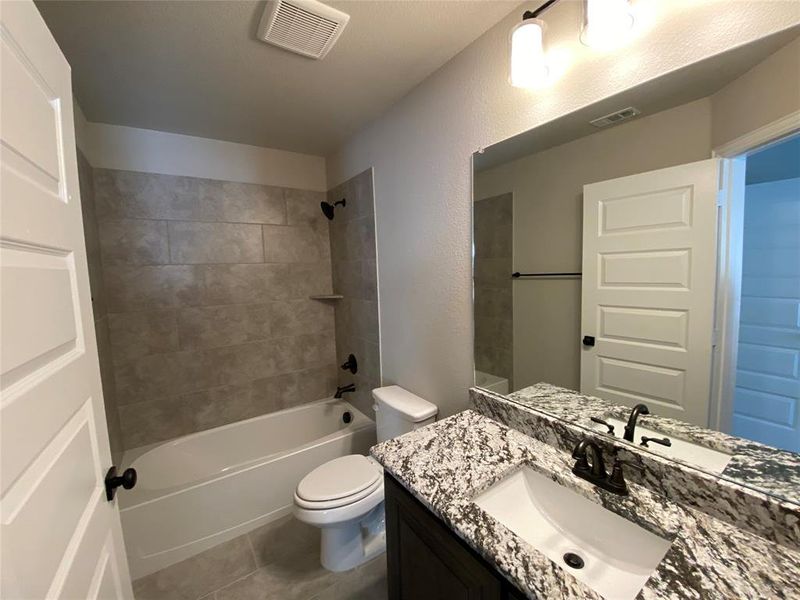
(427, 561)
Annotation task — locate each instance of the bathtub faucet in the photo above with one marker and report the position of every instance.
(351, 387)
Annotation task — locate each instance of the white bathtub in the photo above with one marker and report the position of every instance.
(493, 383)
(205, 488)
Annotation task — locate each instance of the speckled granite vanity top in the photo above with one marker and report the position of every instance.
(774, 471)
(445, 465)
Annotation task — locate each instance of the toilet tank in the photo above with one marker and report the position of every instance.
(398, 411)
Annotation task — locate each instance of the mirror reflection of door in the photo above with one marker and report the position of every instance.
(649, 280)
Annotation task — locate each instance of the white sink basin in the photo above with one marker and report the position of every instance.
(619, 556)
(707, 459)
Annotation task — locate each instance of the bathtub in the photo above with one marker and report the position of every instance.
(202, 489)
(493, 383)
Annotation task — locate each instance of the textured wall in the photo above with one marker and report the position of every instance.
(207, 286)
(99, 308)
(494, 326)
(355, 277)
(421, 151)
(772, 86)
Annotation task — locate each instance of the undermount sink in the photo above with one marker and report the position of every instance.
(606, 552)
(707, 459)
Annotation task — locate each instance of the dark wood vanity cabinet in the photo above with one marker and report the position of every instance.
(427, 561)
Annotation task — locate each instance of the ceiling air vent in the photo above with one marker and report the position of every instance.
(306, 27)
(615, 117)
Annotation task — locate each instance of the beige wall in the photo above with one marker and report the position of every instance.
(768, 92)
(132, 149)
(548, 231)
(421, 150)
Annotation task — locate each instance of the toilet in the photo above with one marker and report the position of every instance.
(344, 496)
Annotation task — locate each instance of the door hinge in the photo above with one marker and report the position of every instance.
(714, 338)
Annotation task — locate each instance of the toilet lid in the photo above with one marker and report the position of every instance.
(338, 478)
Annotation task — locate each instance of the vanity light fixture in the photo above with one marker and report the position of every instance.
(528, 68)
(606, 23)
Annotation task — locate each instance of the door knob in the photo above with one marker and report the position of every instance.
(127, 480)
(588, 340)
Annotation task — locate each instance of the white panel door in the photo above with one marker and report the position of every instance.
(60, 537)
(649, 278)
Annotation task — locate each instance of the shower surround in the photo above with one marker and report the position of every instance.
(202, 296)
(207, 287)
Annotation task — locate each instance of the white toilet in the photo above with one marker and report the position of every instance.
(344, 497)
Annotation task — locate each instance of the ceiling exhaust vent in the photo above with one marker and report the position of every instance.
(307, 27)
(615, 117)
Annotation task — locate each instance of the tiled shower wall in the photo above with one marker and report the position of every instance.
(99, 309)
(207, 287)
(355, 277)
(493, 299)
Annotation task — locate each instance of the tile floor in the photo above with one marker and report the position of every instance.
(279, 561)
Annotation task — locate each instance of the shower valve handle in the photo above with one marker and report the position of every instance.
(127, 480)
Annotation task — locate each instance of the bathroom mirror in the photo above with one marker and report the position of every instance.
(646, 250)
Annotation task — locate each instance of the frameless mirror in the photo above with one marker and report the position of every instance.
(646, 250)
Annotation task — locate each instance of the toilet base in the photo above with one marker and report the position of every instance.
(345, 546)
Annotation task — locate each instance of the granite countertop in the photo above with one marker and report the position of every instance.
(769, 469)
(445, 465)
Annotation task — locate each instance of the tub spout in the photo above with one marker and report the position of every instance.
(340, 391)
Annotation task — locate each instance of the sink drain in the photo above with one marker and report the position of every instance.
(573, 560)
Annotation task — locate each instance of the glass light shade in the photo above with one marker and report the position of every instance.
(606, 22)
(528, 68)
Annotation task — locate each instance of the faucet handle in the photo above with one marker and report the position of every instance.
(617, 477)
(665, 441)
(606, 423)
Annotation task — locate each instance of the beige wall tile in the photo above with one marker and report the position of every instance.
(134, 242)
(153, 421)
(205, 327)
(142, 333)
(256, 283)
(203, 243)
(295, 244)
(303, 207)
(131, 288)
(231, 403)
(222, 405)
(181, 372)
(128, 194)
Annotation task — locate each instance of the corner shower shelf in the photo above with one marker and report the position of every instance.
(327, 297)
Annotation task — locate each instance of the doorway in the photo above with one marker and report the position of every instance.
(766, 395)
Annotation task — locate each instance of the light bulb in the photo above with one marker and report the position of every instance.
(606, 23)
(528, 68)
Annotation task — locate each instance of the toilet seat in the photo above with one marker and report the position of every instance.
(339, 482)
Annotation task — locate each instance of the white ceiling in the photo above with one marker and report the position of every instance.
(197, 68)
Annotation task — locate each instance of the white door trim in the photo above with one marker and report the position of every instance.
(730, 223)
(729, 265)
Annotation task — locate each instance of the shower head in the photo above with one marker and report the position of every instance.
(327, 207)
